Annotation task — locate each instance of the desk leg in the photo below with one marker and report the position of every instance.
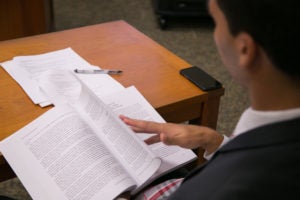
(208, 118)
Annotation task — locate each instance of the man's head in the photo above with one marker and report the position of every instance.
(272, 24)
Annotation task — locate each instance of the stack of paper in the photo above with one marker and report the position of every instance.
(35, 73)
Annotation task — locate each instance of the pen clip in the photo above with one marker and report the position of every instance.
(114, 71)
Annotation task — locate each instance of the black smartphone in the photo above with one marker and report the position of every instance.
(200, 78)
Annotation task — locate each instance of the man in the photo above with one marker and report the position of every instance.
(258, 43)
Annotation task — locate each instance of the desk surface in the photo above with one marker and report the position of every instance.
(147, 65)
(150, 67)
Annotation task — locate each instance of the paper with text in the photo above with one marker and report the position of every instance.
(131, 103)
(29, 71)
(138, 159)
(59, 157)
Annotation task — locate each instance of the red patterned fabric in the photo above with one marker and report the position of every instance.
(161, 191)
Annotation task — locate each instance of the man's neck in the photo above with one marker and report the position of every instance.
(275, 93)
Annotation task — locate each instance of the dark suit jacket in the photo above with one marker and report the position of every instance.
(263, 163)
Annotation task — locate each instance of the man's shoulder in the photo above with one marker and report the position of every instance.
(275, 134)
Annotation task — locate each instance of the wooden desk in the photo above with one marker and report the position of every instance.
(150, 67)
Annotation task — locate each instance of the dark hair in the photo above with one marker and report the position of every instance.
(273, 24)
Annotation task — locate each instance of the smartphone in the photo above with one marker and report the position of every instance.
(200, 78)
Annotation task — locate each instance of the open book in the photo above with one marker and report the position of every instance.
(84, 151)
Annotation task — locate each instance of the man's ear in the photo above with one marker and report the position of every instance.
(247, 50)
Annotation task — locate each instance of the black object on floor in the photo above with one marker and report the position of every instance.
(179, 9)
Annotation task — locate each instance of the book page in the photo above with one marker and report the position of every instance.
(58, 156)
(137, 158)
(132, 104)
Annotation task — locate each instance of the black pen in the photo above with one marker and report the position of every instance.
(97, 71)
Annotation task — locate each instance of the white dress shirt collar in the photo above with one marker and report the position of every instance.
(251, 119)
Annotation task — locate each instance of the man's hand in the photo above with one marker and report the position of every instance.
(186, 136)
